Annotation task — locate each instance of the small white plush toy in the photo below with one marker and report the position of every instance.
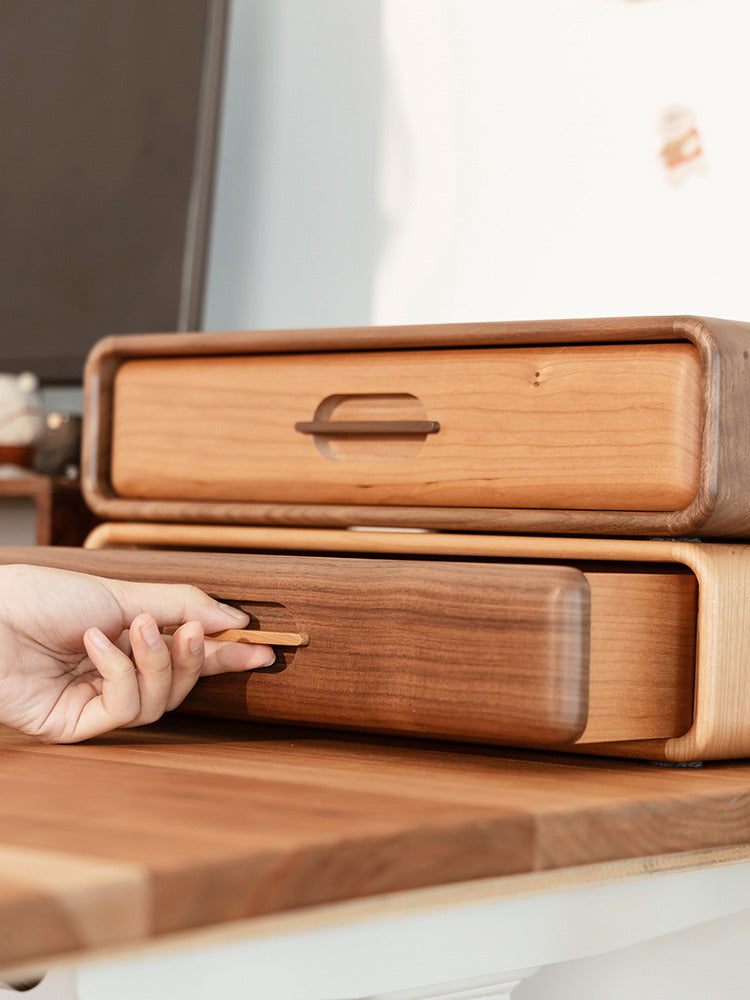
(21, 413)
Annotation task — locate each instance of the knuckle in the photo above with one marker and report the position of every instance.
(46, 736)
(160, 670)
(150, 715)
(190, 596)
(129, 714)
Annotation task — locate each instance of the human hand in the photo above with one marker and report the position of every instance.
(81, 655)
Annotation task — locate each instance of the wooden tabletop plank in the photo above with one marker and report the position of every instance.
(190, 823)
(57, 901)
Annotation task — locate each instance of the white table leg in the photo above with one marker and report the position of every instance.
(60, 984)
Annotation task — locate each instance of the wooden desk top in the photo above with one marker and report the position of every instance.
(189, 824)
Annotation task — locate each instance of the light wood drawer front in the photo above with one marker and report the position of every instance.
(642, 666)
(581, 427)
(517, 652)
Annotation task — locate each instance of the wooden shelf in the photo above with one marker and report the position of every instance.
(62, 517)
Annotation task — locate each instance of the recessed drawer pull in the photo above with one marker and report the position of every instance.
(354, 427)
(259, 637)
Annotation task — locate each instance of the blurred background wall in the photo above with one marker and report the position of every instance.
(451, 160)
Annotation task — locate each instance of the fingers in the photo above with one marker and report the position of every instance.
(233, 657)
(194, 657)
(120, 701)
(159, 676)
(187, 651)
(153, 663)
(139, 690)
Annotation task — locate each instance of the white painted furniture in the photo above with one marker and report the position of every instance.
(483, 940)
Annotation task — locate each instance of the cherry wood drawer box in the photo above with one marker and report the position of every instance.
(513, 641)
(629, 426)
(670, 621)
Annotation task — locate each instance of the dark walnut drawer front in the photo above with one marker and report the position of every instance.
(584, 427)
(618, 427)
(517, 653)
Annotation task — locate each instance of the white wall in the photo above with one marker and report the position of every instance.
(700, 963)
(529, 180)
(436, 160)
(295, 226)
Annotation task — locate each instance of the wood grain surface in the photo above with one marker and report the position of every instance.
(475, 651)
(643, 619)
(721, 709)
(586, 427)
(722, 481)
(188, 825)
(642, 661)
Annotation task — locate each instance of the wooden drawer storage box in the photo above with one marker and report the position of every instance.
(622, 426)
(665, 629)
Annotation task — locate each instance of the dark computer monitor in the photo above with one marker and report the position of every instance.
(108, 125)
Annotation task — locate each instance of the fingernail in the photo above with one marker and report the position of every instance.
(266, 655)
(98, 638)
(269, 658)
(195, 645)
(151, 635)
(234, 612)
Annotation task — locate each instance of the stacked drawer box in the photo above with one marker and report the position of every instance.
(510, 462)
(619, 427)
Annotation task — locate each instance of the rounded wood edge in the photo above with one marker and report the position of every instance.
(721, 701)
(109, 506)
(101, 536)
(397, 542)
(698, 513)
(721, 723)
(398, 905)
(486, 333)
(99, 371)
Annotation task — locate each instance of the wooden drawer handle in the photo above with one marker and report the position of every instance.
(259, 637)
(256, 637)
(354, 427)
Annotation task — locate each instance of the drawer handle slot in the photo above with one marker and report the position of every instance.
(261, 637)
(354, 427)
